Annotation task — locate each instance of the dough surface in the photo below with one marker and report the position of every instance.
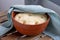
(31, 19)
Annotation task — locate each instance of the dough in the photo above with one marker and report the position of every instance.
(31, 19)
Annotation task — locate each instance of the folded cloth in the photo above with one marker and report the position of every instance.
(53, 28)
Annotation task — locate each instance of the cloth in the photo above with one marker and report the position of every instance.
(53, 28)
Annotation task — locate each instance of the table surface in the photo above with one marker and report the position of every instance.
(14, 35)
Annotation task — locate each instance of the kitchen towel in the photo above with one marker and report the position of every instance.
(53, 28)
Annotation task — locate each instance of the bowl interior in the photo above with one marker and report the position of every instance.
(14, 13)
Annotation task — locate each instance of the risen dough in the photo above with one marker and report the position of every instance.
(31, 19)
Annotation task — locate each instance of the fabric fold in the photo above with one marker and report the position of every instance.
(54, 24)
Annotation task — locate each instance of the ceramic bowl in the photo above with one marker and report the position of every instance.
(30, 30)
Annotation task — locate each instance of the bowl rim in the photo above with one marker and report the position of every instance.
(48, 19)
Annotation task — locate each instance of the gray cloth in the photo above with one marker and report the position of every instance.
(53, 28)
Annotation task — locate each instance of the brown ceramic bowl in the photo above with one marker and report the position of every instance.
(30, 30)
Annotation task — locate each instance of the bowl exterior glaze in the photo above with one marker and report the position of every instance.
(29, 29)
